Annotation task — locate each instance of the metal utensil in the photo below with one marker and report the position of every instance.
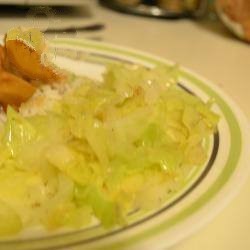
(73, 29)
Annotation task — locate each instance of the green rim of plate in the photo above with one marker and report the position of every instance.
(233, 155)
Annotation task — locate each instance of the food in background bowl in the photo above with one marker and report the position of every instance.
(86, 150)
(235, 14)
(179, 5)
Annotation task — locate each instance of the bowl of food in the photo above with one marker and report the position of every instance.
(236, 16)
(104, 147)
(159, 8)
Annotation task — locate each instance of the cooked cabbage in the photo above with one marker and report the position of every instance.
(102, 151)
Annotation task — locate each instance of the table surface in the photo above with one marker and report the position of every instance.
(206, 47)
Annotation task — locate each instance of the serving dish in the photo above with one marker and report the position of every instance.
(155, 10)
(208, 190)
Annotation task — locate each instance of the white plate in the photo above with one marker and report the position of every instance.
(207, 193)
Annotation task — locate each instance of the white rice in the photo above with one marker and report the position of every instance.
(41, 101)
(46, 96)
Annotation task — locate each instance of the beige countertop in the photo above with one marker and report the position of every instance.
(207, 48)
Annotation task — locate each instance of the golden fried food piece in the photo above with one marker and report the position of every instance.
(27, 62)
(237, 11)
(23, 65)
(14, 90)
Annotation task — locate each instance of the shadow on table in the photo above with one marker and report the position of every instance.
(24, 11)
(61, 21)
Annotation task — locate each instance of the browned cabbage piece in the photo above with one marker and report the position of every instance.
(27, 62)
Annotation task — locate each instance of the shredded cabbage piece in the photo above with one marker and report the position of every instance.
(102, 151)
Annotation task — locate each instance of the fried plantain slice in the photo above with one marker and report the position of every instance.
(28, 63)
(14, 90)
